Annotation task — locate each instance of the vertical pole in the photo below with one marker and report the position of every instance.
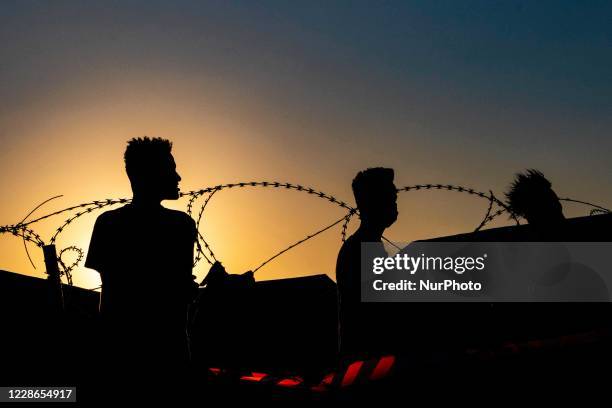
(53, 277)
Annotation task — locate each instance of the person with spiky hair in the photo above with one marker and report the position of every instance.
(376, 198)
(531, 196)
(144, 254)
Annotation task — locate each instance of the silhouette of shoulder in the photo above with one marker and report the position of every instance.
(183, 220)
(348, 266)
(180, 216)
(134, 227)
(112, 217)
(351, 248)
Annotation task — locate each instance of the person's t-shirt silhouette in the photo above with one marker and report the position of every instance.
(144, 254)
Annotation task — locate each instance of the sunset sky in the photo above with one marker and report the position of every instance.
(309, 92)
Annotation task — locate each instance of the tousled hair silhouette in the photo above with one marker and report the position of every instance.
(525, 187)
(368, 182)
(143, 152)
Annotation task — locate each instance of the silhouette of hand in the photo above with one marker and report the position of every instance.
(216, 274)
(249, 277)
(217, 269)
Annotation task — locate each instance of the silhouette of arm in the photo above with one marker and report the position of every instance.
(98, 253)
(187, 262)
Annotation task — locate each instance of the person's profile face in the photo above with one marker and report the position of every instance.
(162, 179)
(382, 209)
(544, 208)
(390, 205)
(169, 180)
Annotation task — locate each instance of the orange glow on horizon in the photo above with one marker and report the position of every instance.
(71, 142)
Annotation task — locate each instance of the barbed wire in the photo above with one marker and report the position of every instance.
(467, 190)
(26, 234)
(265, 184)
(199, 252)
(96, 205)
(391, 243)
(302, 241)
(74, 207)
(595, 206)
(273, 184)
(23, 230)
(99, 204)
(39, 206)
(67, 270)
(347, 220)
(488, 214)
(200, 236)
(20, 230)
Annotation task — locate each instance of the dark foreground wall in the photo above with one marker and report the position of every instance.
(290, 325)
(287, 325)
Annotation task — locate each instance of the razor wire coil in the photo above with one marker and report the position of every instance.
(67, 270)
(495, 208)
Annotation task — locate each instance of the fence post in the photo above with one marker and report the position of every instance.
(53, 272)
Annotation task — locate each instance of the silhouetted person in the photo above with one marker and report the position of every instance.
(531, 196)
(376, 198)
(144, 254)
